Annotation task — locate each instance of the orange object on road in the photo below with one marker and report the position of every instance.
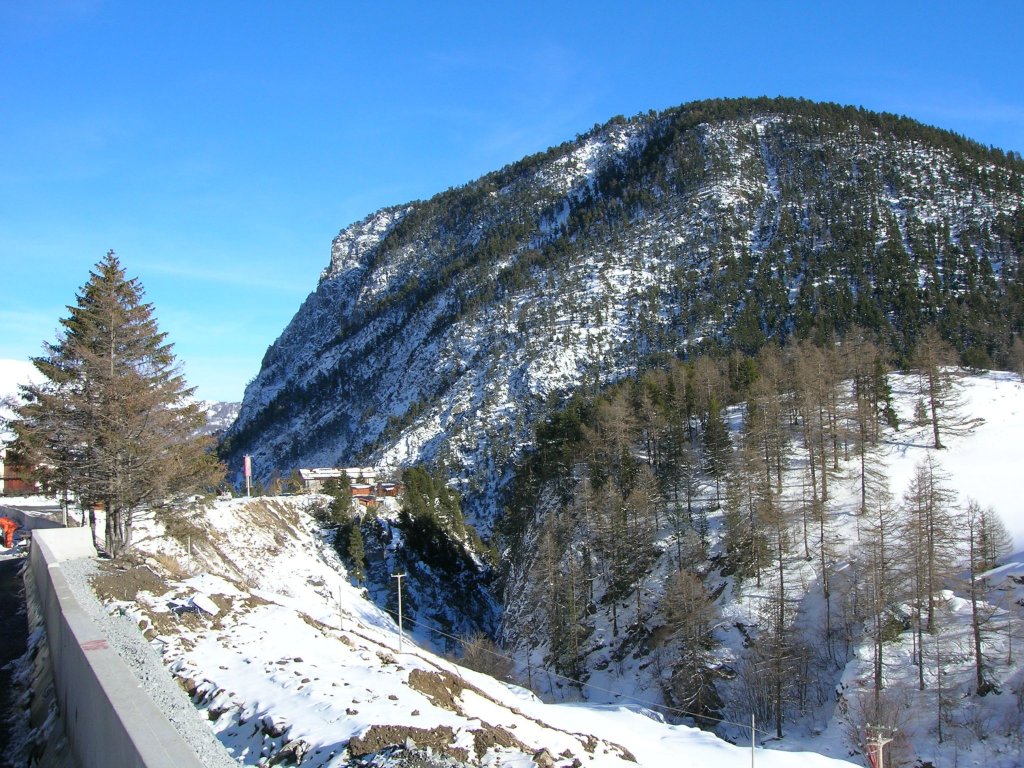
(8, 527)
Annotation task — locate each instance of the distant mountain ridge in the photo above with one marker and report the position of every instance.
(442, 329)
(13, 373)
(219, 416)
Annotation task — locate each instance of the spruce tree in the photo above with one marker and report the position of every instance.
(357, 553)
(717, 446)
(113, 418)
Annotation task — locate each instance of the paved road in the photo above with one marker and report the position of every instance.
(13, 634)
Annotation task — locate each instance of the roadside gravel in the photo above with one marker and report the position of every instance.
(145, 662)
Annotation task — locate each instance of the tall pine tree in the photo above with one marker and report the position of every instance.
(113, 421)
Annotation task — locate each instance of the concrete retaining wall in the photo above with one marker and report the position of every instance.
(109, 719)
(25, 520)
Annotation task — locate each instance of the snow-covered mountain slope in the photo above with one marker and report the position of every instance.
(219, 416)
(441, 330)
(625, 643)
(290, 662)
(982, 464)
(257, 618)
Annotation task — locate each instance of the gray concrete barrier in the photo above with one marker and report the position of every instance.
(110, 721)
(26, 519)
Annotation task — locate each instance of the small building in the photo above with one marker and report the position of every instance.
(15, 477)
(389, 490)
(313, 479)
(367, 475)
(363, 491)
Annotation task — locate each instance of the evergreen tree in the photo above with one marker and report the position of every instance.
(340, 491)
(295, 485)
(113, 417)
(680, 479)
(561, 589)
(717, 446)
(357, 552)
(691, 615)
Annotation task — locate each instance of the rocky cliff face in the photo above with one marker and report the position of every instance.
(441, 330)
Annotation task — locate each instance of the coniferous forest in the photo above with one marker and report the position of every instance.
(642, 505)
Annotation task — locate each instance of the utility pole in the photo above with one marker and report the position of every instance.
(247, 470)
(1009, 624)
(399, 576)
(341, 615)
(753, 738)
(877, 755)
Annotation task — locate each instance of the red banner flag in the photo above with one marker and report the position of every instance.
(873, 754)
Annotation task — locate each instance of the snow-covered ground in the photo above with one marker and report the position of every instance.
(256, 617)
(254, 614)
(982, 464)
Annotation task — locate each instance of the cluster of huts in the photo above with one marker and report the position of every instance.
(362, 480)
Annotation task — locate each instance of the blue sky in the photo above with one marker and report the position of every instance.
(219, 147)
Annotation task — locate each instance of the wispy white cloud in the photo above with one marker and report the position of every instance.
(22, 333)
(243, 276)
(975, 111)
(37, 19)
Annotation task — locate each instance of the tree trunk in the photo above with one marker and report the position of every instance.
(976, 631)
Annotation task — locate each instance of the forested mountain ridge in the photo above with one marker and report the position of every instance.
(441, 330)
(654, 362)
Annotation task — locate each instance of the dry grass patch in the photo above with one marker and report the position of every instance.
(490, 736)
(181, 525)
(271, 515)
(117, 580)
(378, 737)
(172, 566)
(442, 688)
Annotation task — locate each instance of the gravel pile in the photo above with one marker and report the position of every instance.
(145, 662)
